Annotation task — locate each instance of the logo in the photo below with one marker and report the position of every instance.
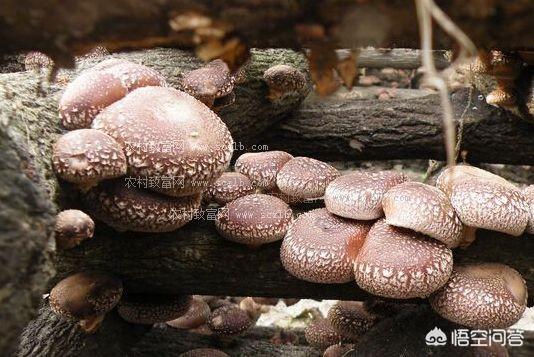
(436, 337)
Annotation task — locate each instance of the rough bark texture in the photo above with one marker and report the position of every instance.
(62, 29)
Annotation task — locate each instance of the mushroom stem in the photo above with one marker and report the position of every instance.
(91, 325)
(469, 237)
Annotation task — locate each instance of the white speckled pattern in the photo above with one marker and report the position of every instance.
(528, 193)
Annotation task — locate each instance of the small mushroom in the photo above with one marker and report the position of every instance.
(484, 296)
(149, 309)
(100, 86)
(262, 167)
(528, 193)
(320, 334)
(358, 195)
(252, 308)
(229, 320)
(401, 264)
(72, 227)
(210, 83)
(204, 352)
(37, 61)
(228, 187)
(284, 80)
(424, 209)
(87, 156)
(254, 220)
(196, 315)
(484, 200)
(169, 134)
(319, 247)
(305, 178)
(134, 209)
(86, 297)
(350, 319)
(338, 350)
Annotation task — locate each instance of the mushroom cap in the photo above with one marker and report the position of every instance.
(196, 315)
(305, 178)
(401, 264)
(134, 209)
(254, 219)
(35, 61)
(85, 295)
(229, 320)
(228, 187)
(358, 195)
(168, 133)
(486, 296)
(204, 352)
(262, 167)
(320, 334)
(338, 350)
(284, 80)
(98, 87)
(501, 97)
(484, 200)
(72, 227)
(528, 193)
(425, 209)
(350, 319)
(152, 308)
(86, 156)
(320, 247)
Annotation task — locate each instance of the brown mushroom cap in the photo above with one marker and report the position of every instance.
(152, 308)
(401, 264)
(262, 167)
(72, 227)
(305, 178)
(204, 352)
(85, 297)
(196, 315)
(350, 319)
(254, 219)
(483, 296)
(320, 334)
(319, 247)
(484, 200)
(424, 209)
(100, 86)
(228, 187)
(168, 133)
(528, 193)
(36, 61)
(229, 320)
(284, 80)
(134, 209)
(87, 156)
(338, 350)
(358, 195)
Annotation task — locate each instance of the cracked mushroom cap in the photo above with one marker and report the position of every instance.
(87, 156)
(125, 207)
(229, 320)
(72, 227)
(228, 187)
(484, 200)
(320, 334)
(283, 80)
(100, 86)
(204, 352)
(305, 178)
(350, 319)
(85, 297)
(254, 219)
(196, 315)
(528, 193)
(169, 134)
(358, 195)
(424, 209)
(262, 167)
(401, 264)
(320, 247)
(486, 296)
(149, 309)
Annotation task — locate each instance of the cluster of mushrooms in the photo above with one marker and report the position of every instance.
(392, 236)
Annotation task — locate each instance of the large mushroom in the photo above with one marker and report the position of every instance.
(169, 134)
(72, 227)
(262, 167)
(401, 264)
(320, 247)
(152, 308)
(254, 219)
(228, 187)
(424, 209)
(485, 296)
(358, 195)
(86, 297)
